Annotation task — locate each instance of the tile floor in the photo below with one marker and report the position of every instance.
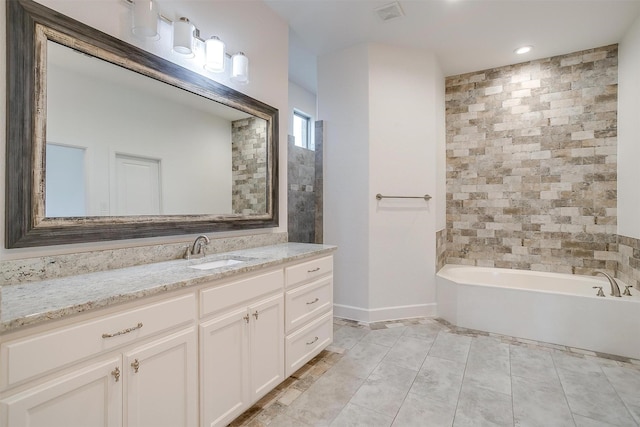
(425, 372)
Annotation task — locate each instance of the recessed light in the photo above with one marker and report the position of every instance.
(523, 50)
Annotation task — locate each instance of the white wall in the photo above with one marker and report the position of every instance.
(302, 100)
(629, 133)
(383, 128)
(250, 26)
(343, 103)
(306, 102)
(403, 89)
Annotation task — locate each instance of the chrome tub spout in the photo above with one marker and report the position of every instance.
(615, 290)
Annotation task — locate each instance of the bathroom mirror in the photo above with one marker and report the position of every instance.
(106, 141)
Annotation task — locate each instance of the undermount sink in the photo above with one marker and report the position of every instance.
(217, 264)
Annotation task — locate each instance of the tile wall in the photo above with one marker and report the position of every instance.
(531, 164)
(629, 261)
(319, 180)
(300, 193)
(441, 248)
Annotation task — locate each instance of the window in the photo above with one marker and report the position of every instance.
(302, 130)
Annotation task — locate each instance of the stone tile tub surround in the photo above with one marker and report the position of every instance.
(58, 298)
(50, 267)
(531, 164)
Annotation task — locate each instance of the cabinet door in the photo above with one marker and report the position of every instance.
(161, 382)
(224, 363)
(267, 345)
(90, 397)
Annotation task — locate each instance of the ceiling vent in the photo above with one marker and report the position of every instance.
(390, 11)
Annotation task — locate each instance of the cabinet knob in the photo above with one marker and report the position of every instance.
(116, 374)
(246, 318)
(135, 365)
(256, 314)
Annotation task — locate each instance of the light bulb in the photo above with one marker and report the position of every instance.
(522, 50)
(240, 68)
(183, 37)
(214, 55)
(145, 19)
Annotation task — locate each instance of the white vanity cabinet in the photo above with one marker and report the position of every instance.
(87, 397)
(309, 311)
(241, 349)
(199, 356)
(104, 372)
(160, 382)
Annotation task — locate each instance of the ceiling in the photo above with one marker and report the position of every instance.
(465, 35)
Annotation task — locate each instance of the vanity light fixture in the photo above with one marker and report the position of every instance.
(183, 31)
(240, 68)
(522, 50)
(145, 19)
(214, 55)
(185, 36)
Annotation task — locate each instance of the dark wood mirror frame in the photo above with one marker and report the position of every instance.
(26, 225)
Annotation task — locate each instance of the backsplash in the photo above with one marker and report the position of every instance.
(50, 267)
(531, 164)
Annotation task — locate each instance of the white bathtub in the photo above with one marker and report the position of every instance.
(550, 307)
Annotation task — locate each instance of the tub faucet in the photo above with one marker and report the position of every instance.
(197, 250)
(615, 290)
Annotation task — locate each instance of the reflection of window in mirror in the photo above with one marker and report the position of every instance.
(302, 129)
(65, 182)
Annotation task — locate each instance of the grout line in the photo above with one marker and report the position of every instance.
(615, 390)
(513, 408)
(564, 392)
(455, 413)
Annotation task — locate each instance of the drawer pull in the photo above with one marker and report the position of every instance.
(122, 332)
(135, 365)
(314, 301)
(314, 270)
(116, 374)
(313, 341)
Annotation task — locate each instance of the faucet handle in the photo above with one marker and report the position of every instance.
(599, 293)
(187, 252)
(627, 292)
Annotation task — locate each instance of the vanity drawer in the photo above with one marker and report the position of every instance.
(308, 270)
(25, 358)
(303, 345)
(308, 301)
(227, 296)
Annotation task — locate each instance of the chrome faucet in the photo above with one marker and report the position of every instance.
(615, 290)
(197, 250)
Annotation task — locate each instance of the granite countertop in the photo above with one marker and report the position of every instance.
(36, 302)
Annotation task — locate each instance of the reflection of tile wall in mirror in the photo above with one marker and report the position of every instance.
(249, 178)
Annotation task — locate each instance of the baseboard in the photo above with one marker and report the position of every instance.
(386, 313)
